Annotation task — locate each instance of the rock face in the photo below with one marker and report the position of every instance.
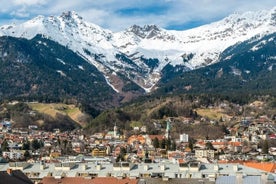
(141, 54)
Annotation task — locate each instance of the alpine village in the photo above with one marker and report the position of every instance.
(83, 104)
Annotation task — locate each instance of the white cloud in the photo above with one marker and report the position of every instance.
(21, 13)
(28, 2)
(96, 16)
(120, 14)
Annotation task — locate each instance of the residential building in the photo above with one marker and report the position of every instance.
(14, 154)
(121, 170)
(99, 151)
(184, 138)
(204, 153)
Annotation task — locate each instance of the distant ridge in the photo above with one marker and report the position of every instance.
(66, 59)
(141, 53)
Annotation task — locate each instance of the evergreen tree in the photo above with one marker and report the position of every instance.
(27, 154)
(121, 156)
(191, 144)
(65, 143)
(147, 154)
(163, 143)
(195, 114)
(5, 145)
(41, 143)
(156, 142)
(168, 144)
(173, 145)
(209, 145)
(265, 146)
(58, 141)
(26, 145)
(69, 148)
(123, 153)
(35, 144)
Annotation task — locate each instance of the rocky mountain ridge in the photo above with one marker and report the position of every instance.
(141, 54)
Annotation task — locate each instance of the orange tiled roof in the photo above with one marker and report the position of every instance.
(181, 160)
(139, 138)
(235, 143)
(219, 143)
(159, 137)
(187, 149)
(265, 166)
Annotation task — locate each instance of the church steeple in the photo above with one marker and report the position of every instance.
(115, 130)
(168, 128)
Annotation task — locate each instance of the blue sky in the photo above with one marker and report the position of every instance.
(117, 15)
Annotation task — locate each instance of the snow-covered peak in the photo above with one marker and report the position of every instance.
(148, 31)
(70, 15)
(250, 20)
(141, 53)
(68, 24)
(146, 28)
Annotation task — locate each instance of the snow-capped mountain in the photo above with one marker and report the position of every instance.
(141, 53)
(245, 68)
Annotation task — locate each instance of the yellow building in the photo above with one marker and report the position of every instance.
(55, 154)
(99, 152)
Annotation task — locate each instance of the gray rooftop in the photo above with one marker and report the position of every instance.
(164, 170)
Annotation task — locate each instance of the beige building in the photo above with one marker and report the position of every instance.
(204, 153)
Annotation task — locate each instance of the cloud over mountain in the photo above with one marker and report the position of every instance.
(118, 14)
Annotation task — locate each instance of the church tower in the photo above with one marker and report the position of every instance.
(168, 128)
(115, 130)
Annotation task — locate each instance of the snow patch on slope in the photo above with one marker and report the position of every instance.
(107, 81)
(61, 73)
(80, 67)
(60, 60)
(100, 46)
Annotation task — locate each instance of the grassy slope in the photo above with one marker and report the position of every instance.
(212, 114)
(53, 109)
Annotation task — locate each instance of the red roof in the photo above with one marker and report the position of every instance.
(133, 138)
(235, 143)
(159, 137)
(219, 143)
(265, 166)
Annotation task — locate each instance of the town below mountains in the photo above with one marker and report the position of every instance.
(175, 139)
(81, 104)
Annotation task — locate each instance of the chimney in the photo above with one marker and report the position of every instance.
(216, 167)
(99, 167)
(235, 167)
(9, 171)
(83, 166)
(146, 167)
(42, 166)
